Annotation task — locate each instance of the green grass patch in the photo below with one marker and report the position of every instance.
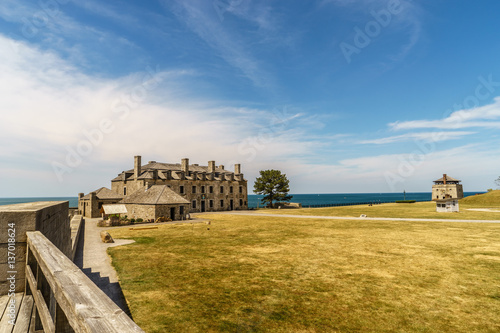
(276, 274)
(490, 199)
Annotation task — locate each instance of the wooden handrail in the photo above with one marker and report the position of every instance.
(75, 302)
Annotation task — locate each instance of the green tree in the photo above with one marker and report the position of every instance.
(273, 185)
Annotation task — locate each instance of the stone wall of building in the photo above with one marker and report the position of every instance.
(50, 218)
(443, 191)
(179, 211)
(208, 195)
(152, 212)
(144, 212)
(128, 187)
(89, 208)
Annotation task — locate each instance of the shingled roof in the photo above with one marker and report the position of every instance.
(146, 171)
(448, 179)
(155, 195)
(104, 193)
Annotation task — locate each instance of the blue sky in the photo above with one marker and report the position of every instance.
(342, 96)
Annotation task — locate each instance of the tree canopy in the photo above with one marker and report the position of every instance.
(273, 185)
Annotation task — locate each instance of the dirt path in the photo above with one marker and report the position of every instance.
(92, 259)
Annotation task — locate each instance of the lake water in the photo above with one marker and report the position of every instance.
(351, 198)
(305, 199)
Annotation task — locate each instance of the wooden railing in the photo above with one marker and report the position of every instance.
(66, 299)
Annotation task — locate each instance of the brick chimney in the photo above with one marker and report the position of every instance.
(444, 178)
(237, 169)
(211, 166)
(185, 166)
(137, 167)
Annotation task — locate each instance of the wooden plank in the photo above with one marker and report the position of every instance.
(10, 313)
(87, 308)
(143, 228)
(24, 315)
(43, 310)
(33, 318)
(3, 303)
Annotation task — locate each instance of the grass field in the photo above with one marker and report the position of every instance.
(275, 274)
(405, 210)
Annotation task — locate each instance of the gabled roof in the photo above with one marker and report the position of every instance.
(105, 193)
(155, 195)
(146, 175)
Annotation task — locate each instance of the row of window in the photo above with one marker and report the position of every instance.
(194, 189)
(211, 204)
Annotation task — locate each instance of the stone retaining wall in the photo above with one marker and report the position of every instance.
(50, 218)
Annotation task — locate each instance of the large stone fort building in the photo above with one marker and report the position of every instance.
(178, 188)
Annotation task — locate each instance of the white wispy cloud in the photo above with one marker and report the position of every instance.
(51, 108)
(399, 20)
(397, 172)
(54, 113)
(424, 136)
(204, 19)
(107, 10)
(487, 116)
(52, 28)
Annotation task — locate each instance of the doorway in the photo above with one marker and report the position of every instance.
(203, 206)
(172, 213)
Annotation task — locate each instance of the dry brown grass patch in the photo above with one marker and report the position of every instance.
(273, 274)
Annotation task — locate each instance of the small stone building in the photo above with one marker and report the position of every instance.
(116, 209)
(447, 205)
(90, 205)
(447, 188)
(156, 201)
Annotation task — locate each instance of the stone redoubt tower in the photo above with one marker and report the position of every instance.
(447, 188)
